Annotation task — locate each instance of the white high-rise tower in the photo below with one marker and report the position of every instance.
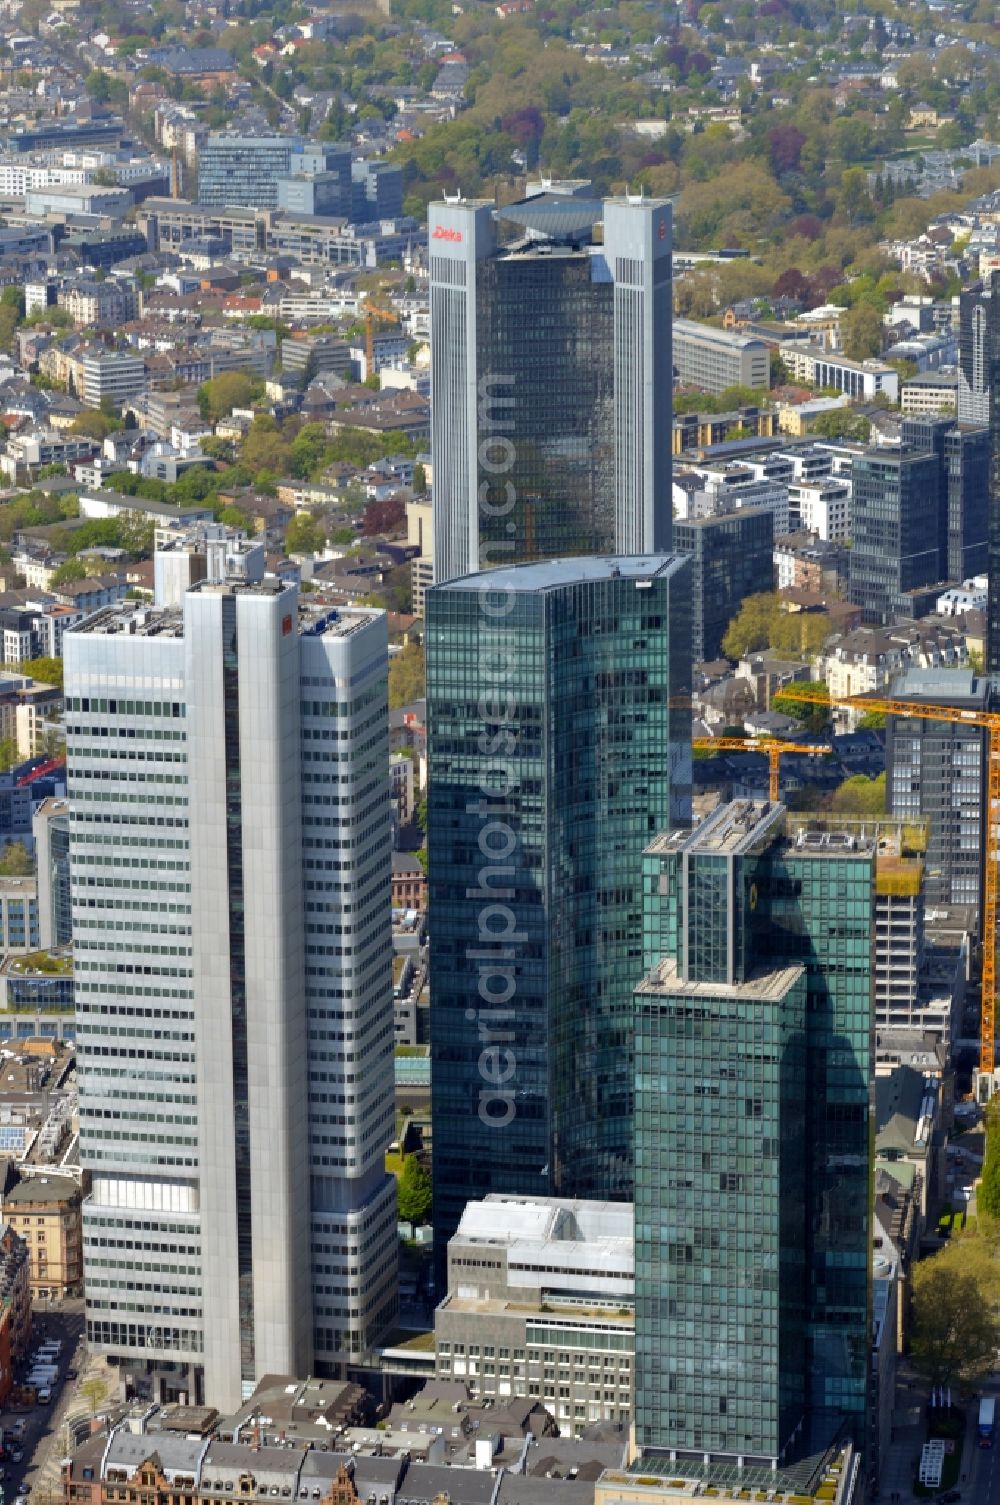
(228, 781)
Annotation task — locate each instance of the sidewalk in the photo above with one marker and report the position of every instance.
(899, 1464)
(70, 1423)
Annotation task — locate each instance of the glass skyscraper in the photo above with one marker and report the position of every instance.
(962, 452)
(732, 557)
(551, 379)
(979, 402)
(558, 718)
(895, 522)
(754, 1061)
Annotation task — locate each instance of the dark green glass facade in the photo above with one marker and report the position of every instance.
(558, 743)
(754, 1063)
(546, 325)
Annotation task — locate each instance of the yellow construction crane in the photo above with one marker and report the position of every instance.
(771, 747)
(990, 722)
(372, 314)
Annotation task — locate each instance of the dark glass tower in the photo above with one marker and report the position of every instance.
(732, 557)
(962, 452)
(552, 379)
(895, 521)
(979, 402)
(754, 1061)
(558, 743)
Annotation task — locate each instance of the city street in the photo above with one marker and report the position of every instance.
(42, 1424)
(979, 1479)
(981, 1485)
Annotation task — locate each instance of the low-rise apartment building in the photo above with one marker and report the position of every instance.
(45, 1211)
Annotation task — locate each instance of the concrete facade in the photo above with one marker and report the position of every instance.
(540, 1303)
(242, 1124)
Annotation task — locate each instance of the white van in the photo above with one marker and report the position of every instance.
(44, 1395)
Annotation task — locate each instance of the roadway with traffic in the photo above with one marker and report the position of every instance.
(39, 1425)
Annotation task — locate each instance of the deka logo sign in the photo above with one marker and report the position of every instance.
(443, 232)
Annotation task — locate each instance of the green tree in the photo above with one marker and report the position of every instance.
(841, 423)
(9, 754)
(217, 397)
(406, 676)
(136, 532)
(988, 1192)
(95, 1391)
(413, 1189)
(15, 859)
(48, 671)
(8, 324)
(420, 480)
(94, 424)
(955, 1332)
(861, 332)
(264, 448)
(98, 86)
(304, 535)
(751, 627)
(308, 449)
(235, 517)
(13, 297)
(69, 572)
(859, 795)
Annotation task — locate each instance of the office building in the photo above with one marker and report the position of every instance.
(551, 379)
(548, 1286)
(420, 537)
(701, 489)
(244, 170)
(979, 401)
(111, 377)
(976, 345)
(318, 180)
(376, 191)
(930, 393)
(732, 557)
(753, 1040)
(714, 359)
(308, 355)
(544, 788)
(824, 368)
(50, 828)
(936, 772)
(899, 939)
(962, 452)
(229, 798)
(19, 915)
(896, 525)
(822, 508)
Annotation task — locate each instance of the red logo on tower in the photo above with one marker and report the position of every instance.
(443, 232)
(286, 626)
